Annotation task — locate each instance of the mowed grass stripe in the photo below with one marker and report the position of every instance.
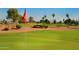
(43, 39)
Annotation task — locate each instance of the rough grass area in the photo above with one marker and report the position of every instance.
(43, 39)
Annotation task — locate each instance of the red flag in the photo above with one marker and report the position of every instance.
(24, 17)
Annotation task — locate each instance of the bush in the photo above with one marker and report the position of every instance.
(40, 26)
(47, 21)
(67, 21)
(71, 22)
(37, 26)
(5, 29)
(18, 26)
(45, 26)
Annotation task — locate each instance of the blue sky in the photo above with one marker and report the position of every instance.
(38, 13)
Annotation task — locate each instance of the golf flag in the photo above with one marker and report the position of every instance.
(24, 17)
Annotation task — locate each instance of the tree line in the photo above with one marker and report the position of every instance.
(67, 21)
(13, 14)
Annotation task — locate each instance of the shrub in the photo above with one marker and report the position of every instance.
(37, 26)
(18, 26)
(71, 22)
(67, 21)
(5, 29)
(47, 21)
(40, 26)
(45, 26)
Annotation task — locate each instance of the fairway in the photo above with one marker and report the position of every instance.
(40, 40)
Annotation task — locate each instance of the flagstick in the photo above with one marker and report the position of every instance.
(24, 17)
(24, 24)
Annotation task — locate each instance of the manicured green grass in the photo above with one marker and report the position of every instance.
(43, 39)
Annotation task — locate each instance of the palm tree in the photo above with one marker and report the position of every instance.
(42, 18)
(67, 15)
(53, 15)
(31, 19)
(45, 17)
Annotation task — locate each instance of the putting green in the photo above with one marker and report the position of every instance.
(43, 39)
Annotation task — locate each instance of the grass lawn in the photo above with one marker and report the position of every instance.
(43, 39)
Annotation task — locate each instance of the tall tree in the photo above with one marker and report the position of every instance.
(67, 15)
(21, 20)
(68, 21)
(45, 16)
(42, 18)
(53, 15)
(31, 19)
(13, 14)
